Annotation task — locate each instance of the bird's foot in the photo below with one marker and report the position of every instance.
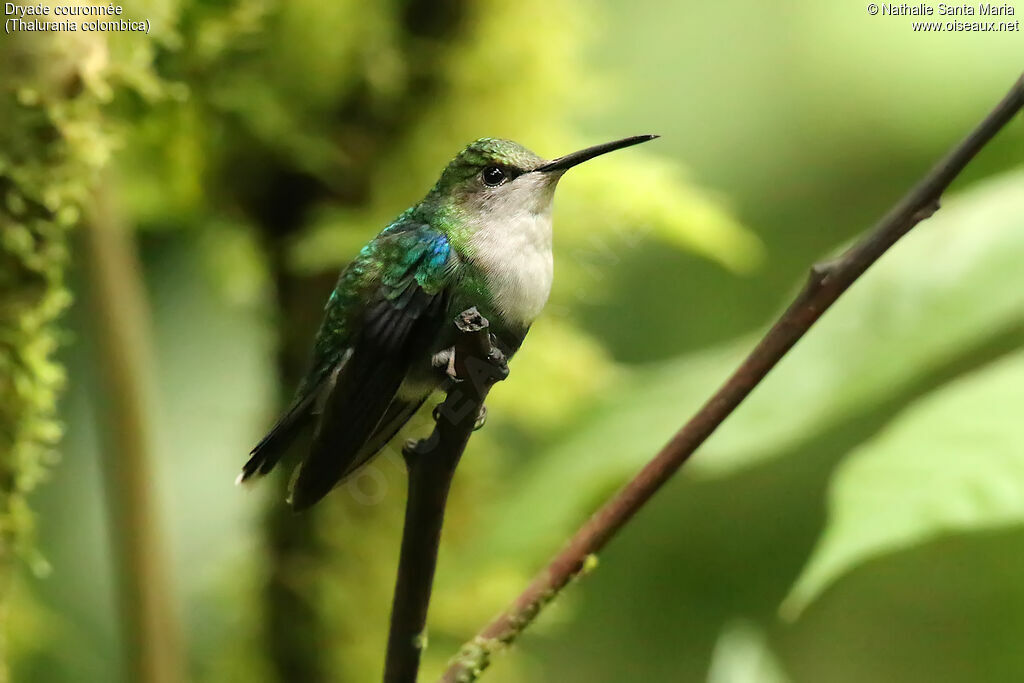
(498, 362)
(446, 359)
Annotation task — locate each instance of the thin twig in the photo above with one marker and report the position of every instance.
(120, 319)
(431, 463)
(825, 284)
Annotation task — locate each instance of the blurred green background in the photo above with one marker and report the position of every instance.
(860, 518)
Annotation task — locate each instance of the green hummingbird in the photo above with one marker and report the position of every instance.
(481, 237)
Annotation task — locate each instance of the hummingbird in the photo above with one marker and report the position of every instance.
(480, 237)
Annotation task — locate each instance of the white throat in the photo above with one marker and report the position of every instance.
(511, 245)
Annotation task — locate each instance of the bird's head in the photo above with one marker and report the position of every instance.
(500, 178)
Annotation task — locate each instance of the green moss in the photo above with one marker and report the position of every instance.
(52, 145)
(475, 656)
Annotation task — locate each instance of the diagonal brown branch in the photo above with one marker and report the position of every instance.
(431, 463)
(825, 284)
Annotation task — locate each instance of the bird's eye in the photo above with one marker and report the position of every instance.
(494, 176)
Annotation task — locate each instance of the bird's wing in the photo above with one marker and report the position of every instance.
(407, 271)
(330, 352)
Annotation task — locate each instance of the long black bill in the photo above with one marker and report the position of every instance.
(570, 160)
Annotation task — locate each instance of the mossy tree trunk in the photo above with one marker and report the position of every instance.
(51, 146)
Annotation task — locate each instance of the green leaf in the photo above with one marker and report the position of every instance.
(952, 462)
(742, 654)
(935, 297)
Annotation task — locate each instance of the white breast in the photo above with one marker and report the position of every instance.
(514, 253)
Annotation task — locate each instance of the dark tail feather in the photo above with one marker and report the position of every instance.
(398, 414)
(269, 450)
(354, 408)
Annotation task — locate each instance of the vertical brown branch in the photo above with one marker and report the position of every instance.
(120, 320)
(431, 463)
(824, 286)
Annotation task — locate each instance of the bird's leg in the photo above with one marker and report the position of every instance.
(494, 368)
(498, 370)
(498, 361)
(446, 359)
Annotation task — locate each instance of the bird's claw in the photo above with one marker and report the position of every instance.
(497, 360)
(498, 365)
(481, 418)
(450, 368)
(446, 359)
